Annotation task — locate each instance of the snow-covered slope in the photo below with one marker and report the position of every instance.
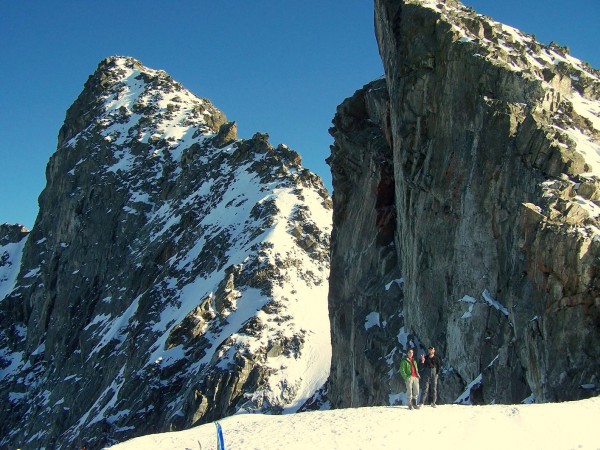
(550, 426)
(12, 239)
(175, 274)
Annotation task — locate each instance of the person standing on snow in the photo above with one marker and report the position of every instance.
(410, 373)
(430, 367)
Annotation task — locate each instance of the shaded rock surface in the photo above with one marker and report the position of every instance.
(175, 273)
(365, 298)
(493, 155)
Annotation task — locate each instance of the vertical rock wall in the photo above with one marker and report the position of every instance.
(495, 233)
(365, 303)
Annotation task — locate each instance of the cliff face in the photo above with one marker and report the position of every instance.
(175, 273)
(365, 281)
(494, 141)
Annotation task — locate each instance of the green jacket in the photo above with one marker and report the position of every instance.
(405, 369)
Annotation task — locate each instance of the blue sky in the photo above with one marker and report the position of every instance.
(279, 67)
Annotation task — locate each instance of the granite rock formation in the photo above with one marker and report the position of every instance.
(175, 273)
(467, 182)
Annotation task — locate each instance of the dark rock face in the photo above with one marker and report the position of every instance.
(495, 174)
(365, 299)
(11, 234)
(175, 274)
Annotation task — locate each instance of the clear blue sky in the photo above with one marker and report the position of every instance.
(279, 67)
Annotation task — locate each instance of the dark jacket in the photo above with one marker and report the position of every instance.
(432, 363)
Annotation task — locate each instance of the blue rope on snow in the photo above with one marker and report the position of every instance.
(220, 441)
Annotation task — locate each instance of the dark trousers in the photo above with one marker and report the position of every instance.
(430, 384)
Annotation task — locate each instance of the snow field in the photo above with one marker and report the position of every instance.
(569, 425)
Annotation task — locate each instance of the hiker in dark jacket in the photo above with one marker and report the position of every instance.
(430, 366)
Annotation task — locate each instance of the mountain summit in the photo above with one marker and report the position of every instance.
(175, 274)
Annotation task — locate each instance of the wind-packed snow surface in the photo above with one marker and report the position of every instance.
(571, 425)
(209, 257)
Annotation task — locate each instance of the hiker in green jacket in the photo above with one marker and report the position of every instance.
(410, 373)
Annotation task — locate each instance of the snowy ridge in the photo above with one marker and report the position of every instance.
(10, 263)
(212, 295)
(447, 426)
(11, 252)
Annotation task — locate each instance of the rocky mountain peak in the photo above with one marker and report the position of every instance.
(175, 273)
(122, 90)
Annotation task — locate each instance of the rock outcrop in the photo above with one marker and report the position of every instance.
(175, 273)
(493, 155)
